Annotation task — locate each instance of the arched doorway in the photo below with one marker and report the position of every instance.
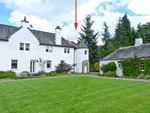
(85, 66)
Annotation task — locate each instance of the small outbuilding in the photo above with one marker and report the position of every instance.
(140, 49)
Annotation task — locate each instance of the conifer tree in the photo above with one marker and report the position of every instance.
(140, 31)
(89, 37)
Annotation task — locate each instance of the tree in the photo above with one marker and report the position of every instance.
(89, 37)
(140, 31)
(42, 64)
(106, 34)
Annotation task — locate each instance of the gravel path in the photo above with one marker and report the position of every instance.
(90, 75)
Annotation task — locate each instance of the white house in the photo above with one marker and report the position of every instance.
(21, 48)
(140, 49)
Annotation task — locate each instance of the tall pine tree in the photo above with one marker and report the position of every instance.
(90, 38)
(140, 31)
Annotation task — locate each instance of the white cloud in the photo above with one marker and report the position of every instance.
(101, 10)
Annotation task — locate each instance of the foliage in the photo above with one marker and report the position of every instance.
(111, 66)
(131, 66)
(110, 74)
(104, 68)
(43, 76)
(89, 37)
(147, 66)
(7, 74)
(52, 73)
(41, 73)
(92, 68)
(96, 66)
(64, 67)
(31, 76)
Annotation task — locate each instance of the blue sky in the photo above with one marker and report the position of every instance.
(45, 15)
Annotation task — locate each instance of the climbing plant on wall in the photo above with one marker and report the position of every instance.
(131, 67)
(147, 66)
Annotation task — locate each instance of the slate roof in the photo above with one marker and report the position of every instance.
(142, 51)
(82, 45)
(45, 38)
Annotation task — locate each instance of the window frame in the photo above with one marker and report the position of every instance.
(142, 63)
(47, 48)
(85, 52)
(21, 46)
(68, 50)
(65, 50)
(50, 49)
(27, 48)
(14, 63)
(47, 64)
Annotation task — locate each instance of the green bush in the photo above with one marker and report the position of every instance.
(31, 76)
(41, 73)
(43, 76)
(7, 74)
(52, 73)
(104, 68)
(131, 67)
(111, 66)
(110, 74)
(96, 67)
(2, 76)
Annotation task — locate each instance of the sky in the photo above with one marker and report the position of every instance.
(45, 15)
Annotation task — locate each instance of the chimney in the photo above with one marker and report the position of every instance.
(58, 35)
(25, 23)
(139, 41)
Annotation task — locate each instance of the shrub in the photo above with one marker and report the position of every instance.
(96, 67)
(31, 76)
(110, 74)
(52, 73)
(41, 73)
(64, 67)
(104, 68)
(92, 68)
(43, 76)
(2, 76)
(147, 66)
(111, 66)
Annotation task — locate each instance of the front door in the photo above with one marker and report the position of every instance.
(119, 69)
(85, 69)
(32, 66)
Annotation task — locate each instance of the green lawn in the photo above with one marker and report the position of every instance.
(75, 95)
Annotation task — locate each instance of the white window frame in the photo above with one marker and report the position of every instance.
(27, 47)
(68, 50)
(14, 61)
(50, 64)
(85, 52)
(142, 66)
(21, 46)
(47, 48)
(65, 50)
(51, 49)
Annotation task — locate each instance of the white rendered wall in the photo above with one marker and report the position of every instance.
(10, 50)
(118, 71)
(80, 57)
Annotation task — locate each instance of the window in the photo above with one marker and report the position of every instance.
(51, 49)
(47, 48)
(68, 50)
(85, 52)
(27, 47)
(14, 64)
(120, 66)
(142, 66)
(48, 64)
(21, 46)
(64, 50)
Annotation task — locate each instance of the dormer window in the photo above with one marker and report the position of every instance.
(21, 46)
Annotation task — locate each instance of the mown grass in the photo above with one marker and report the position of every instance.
(75, 95)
